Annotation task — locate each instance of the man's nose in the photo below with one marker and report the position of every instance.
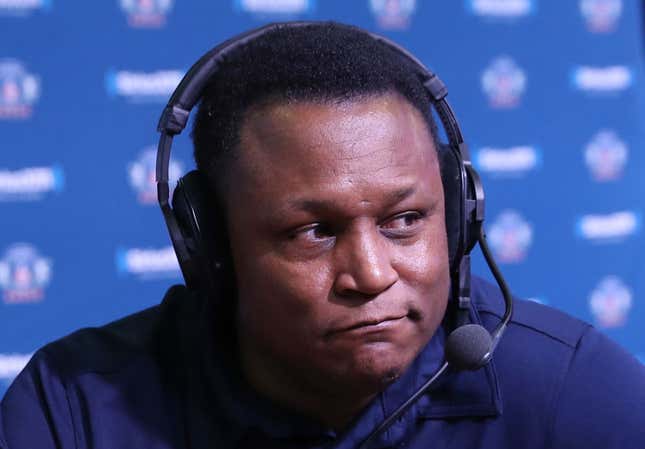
(364, 259)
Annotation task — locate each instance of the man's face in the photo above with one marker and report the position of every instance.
(336, 220)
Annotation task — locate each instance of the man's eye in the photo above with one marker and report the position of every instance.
(403, 222)
(312, 233)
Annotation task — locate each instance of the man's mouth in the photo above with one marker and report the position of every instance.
(371, 325)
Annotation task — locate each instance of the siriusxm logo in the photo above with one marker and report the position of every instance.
(142, 86)
(11, 365)
(142, 174)
(19, 90)
(602, 79)
(606, 156)
(503, 83)
(31, 183)
(393, 14)
(282, 8)
(24, 274)
(601, 16)
(146, 13)
(148, 263)
(512, 161)
(510, 237)
(504, 9)
(22, 8)
(608, 228)
(610, 302)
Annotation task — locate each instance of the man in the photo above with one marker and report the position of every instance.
(322, 156)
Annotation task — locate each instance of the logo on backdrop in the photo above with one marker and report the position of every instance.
(501, 9)
(282, 9)
(146, 13)
(30, 183)
(503, 82)
(142, 175)
(393, 14)
(11, 365)
(24, 274)
(610, 302)
(23, 8)
(510, 237)
(142, 87)
(19, 90)
(148, 263)
(601, 16)
(507, 162)
(610, 79)
(609, 228)
(606, 156)
(538, 299)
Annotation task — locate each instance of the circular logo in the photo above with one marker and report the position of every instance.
(19, 90)
(510, 237)
(606, 156)
(503, 83)
(610, 302)
(142, 174)
(601, 15)
(24, 274)
(146, 13)
(393, 14)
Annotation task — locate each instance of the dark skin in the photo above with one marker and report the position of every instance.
(336, 219)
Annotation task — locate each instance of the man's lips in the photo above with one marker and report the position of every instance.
(369, 324)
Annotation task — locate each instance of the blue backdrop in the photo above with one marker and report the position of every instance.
(549, 94)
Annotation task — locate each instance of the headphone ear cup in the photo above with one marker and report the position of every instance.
(451, 174)
(195, 208)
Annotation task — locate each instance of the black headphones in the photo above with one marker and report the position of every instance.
(199, 238)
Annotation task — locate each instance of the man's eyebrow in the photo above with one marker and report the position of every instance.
(318, 205)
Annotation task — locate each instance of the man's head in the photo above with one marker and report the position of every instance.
(334, 207)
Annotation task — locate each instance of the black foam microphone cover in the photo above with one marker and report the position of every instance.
(467, 345)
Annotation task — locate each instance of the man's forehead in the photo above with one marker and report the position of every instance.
(374, 132)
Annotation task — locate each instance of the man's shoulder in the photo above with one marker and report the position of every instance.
(559, 374)
(112, 346)
(117, 374)
(538, 320)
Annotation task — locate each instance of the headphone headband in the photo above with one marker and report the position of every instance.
(174, 118)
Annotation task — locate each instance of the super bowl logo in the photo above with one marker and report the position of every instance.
(503, 83)
(601, 15)
(142, 174)
(393, 14)
(610, 302)
(24, 274)
(606, 156)
(146, 13)
(510, 237)
(19, 90)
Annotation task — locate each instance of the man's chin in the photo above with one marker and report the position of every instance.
(372, 372)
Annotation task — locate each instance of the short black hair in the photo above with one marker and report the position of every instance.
(323, 62)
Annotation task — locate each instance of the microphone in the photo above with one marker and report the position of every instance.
(467, 346)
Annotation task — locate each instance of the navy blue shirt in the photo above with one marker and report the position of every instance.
(164, 378)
